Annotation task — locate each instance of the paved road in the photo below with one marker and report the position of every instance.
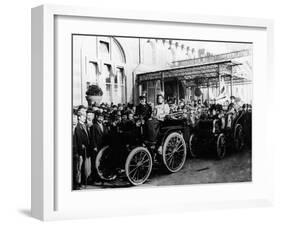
(236, 167)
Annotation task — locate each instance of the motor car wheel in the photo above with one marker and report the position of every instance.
(174, 152)
(138, 165)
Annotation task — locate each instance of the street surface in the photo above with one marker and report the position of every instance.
(235, 167)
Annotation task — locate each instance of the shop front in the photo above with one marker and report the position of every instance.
(187, 83)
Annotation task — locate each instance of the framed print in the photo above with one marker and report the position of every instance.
(144, 113)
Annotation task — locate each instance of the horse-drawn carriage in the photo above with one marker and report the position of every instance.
(134, 155)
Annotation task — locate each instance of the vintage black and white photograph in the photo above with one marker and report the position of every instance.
(157, 112)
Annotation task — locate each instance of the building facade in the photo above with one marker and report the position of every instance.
(114, 63)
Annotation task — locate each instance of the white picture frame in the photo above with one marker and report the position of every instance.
(45, 162)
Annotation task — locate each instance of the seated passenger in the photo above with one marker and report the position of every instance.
(230, 115)
(221, 116)
(231, 109)
(143, 110)
(193, 118)
(233, 102)
(181, 105)
(162, 109)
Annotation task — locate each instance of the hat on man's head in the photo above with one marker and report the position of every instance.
(79, 113)
(81, 107)
(98, 113)
(90, 110)
(142, 96)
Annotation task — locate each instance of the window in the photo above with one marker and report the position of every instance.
(108, 81)
(112, 80)
(117, 52)
(104, 50)
(92, 77)
(118, 92)
(114, 85)
(121, 84)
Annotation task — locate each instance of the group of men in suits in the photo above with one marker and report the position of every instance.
(89, 136)
(92, 130)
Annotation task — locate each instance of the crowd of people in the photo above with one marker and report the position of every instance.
(92, 126)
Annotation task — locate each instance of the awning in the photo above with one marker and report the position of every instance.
(203, 74)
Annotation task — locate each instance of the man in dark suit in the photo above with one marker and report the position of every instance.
(143, 110)
(89, 124)
(99, 133)
(81, 137)
(90, 120)
(76, 161)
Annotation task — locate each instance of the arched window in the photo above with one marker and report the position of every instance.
(112, 78)
(100, 60)
(118, 55)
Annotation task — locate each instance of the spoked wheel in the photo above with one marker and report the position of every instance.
(103, 166)
(238, 137)
(174, 152)
(221, 146)
(192, 145)
(138, 165)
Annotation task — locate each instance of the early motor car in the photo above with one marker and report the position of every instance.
(135, 157)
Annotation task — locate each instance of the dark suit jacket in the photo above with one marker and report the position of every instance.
(98, 137)
(143, 111)
(81, 137)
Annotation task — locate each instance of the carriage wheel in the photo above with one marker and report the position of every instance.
(101, 167)
(192, 143)
(174, 152)
(238, 137)
(138, 165)
(221, 146)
